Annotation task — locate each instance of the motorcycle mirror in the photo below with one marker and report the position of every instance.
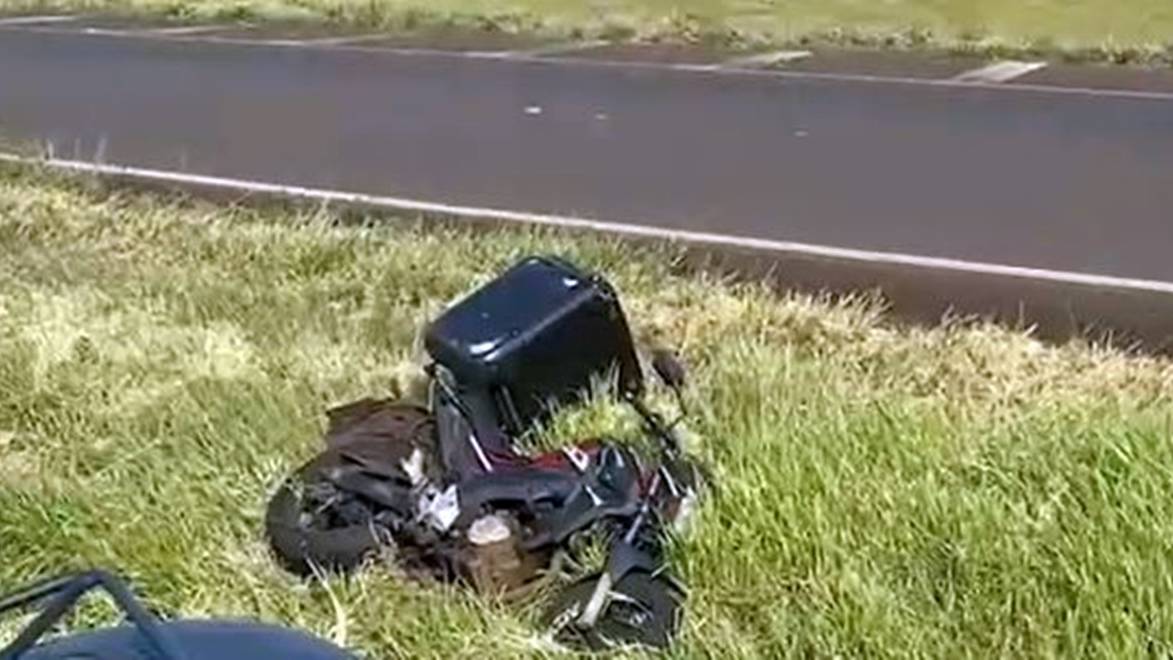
(669, 368)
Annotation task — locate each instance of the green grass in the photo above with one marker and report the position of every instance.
(1116, 30)
(962, 491)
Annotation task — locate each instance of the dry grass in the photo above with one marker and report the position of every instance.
(961, 491)
(1108, 30)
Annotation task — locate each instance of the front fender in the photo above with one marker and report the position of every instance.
(625, 558)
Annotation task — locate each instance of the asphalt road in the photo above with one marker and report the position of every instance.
(1075, 182)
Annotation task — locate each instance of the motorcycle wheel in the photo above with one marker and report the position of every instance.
(312, 525)
(643, 610)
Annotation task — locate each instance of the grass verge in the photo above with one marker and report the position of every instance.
(960, 491)
(1123, 31)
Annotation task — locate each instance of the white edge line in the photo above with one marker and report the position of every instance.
(511, 56)
(35, 20)
(571, 222)
(187, 30)
(342, 40)
(763, 60)
(698, 68)
(562, 48)
(110, 32)
(937, 83)
(481, 54)
(999, 72)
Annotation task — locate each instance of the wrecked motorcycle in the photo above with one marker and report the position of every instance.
(444, 488)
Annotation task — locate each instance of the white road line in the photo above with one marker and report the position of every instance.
(533, 53)
(188, 29)
(107, 32)
(687, 66)
(586, 62)
(999, 72)
(485, 54)
(766, 60)
(245, 186)
(35, 20)
(342, 40)
(282, 43)
(562, 49)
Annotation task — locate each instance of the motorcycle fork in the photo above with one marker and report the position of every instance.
(623, 558)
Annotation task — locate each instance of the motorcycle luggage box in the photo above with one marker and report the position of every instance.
(536, 335)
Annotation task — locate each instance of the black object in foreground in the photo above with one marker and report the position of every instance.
(446, 486)
(145, 637)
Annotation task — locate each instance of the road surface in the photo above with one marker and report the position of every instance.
(1069, 180)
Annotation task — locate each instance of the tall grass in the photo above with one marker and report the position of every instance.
(884, 492)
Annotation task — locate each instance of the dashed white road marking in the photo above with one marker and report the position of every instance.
(284, 43)
(698, 68)
(35, 20)
(589, 224)
(189, 29)
(341, 40)
(108, 32)
(766, 60)
(563, 48)
(999, 72)
(489, 54)
(533, 53)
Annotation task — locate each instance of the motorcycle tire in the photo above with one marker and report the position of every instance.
(301, 540)
(645, 610)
